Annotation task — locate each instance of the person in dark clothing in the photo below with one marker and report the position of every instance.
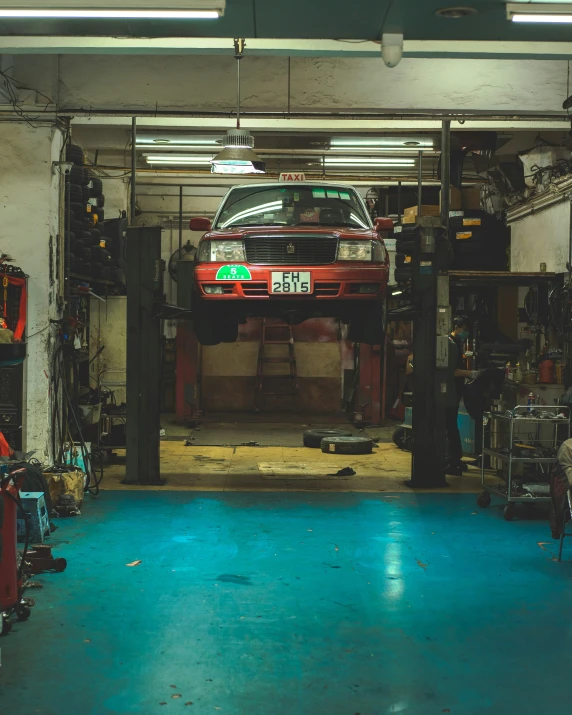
(457, 340)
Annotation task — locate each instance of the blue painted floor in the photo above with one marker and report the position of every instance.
(295, 604)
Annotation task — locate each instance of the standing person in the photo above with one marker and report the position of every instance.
(457, 340)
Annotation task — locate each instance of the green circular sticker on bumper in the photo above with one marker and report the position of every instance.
(233, 273)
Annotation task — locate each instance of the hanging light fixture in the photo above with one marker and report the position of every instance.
(237, 156)
(113, 9)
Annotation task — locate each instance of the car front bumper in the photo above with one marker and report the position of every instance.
(335, 281)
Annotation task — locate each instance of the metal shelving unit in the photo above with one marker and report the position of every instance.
(510, 435)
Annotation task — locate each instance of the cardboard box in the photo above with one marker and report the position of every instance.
(409, 219)
(455, 199)
(426, 210)
(471, 199)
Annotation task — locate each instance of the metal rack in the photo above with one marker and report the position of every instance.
(509, 439)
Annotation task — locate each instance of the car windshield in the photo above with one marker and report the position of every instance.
(293, 205)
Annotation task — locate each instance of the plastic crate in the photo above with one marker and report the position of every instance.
(34, 504)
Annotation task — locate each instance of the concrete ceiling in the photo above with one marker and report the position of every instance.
(324, 19)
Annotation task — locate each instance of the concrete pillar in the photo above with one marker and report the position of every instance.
(29, 216)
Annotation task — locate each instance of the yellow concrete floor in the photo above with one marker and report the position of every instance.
(283, 469)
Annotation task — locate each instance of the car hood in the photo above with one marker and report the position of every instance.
(348, 233)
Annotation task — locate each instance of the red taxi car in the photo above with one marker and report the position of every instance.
(294, 251)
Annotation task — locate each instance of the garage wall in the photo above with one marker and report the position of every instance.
(29, 215)
(229, 371)
(542, 237)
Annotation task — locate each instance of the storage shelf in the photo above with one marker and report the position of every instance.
(537, 420)
(508, 458)
(509, 442)
(89, 279)
(516, 499)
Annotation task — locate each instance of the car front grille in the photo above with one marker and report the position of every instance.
(255, 289)
(297, 250)
(327, 289)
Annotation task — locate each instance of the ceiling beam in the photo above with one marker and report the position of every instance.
(466, 49)
(326, 125)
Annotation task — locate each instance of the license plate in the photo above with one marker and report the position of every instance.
(289, 282)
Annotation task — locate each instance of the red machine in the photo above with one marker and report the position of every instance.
(10, 584)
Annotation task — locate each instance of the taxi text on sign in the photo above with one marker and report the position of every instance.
(292, 177)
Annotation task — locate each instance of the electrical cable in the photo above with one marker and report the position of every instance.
(65, 389)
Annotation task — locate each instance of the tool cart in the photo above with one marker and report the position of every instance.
(522, 445)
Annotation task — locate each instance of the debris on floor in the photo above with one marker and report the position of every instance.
(249, 444)
(345, 472)
(134, 563)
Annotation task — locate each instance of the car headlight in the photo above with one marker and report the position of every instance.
(379, 252)
(222, 251)
(355, 251)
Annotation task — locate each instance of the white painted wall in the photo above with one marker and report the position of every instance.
(194, 82)
(29, 216)
(543, 237)
(108, 327)
(116, 191)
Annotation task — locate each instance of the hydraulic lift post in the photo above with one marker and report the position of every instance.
(431, 327)
(144, 293)
(146, 308)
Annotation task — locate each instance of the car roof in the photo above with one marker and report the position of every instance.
(282, 184)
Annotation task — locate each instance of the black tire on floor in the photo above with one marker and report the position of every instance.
(400, 437)
(313, 437)
(484, 500)
(509, 512)
(347, 445)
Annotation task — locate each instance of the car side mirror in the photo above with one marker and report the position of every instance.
(200, 223)
(383, 224)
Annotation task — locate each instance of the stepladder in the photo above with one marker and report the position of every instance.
(277, 375)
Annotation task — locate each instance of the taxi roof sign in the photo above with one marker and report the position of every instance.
(292, 176)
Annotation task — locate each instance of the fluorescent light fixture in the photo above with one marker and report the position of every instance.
(114, 9)
(250, 168)
(176, 141)
(539, 12)
(380, 143)
(366, 161)
(174, 159)
(177, 147)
